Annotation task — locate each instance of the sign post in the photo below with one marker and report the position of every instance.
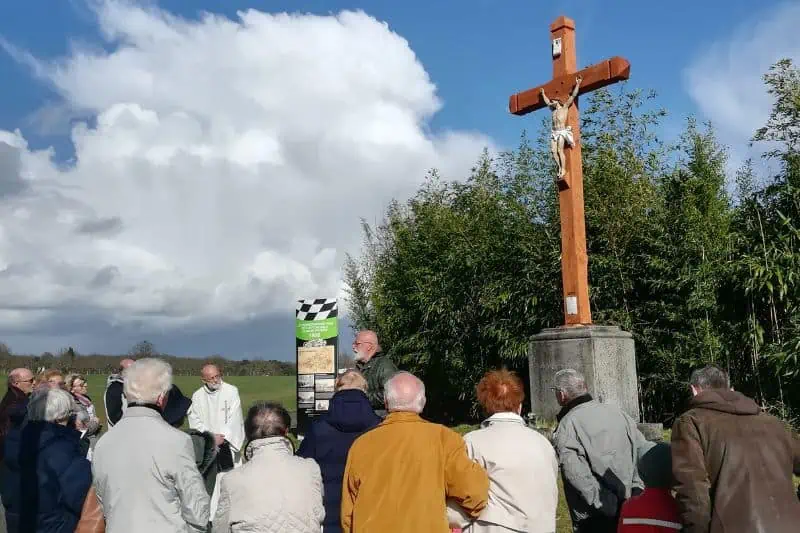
(317, 336)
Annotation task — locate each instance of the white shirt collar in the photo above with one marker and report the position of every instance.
(504, 417)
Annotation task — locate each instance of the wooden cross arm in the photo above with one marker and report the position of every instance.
(594, 77)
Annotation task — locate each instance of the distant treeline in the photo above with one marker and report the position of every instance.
(69, 360)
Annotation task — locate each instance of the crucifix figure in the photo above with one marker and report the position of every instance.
(567, 84)
(562, 133)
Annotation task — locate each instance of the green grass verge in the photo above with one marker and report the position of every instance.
(251, 388)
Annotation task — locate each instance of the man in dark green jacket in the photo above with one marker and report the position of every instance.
(375, 366)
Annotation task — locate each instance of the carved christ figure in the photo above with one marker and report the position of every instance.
(561, 134)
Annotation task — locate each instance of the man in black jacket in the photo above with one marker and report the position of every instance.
(113, 398)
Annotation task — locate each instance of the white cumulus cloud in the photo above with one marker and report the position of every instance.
(725, 79)
(223, 171)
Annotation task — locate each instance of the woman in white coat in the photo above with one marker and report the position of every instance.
(521, 463)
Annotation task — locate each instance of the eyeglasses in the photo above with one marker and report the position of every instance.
(357, 344)
(212, 379)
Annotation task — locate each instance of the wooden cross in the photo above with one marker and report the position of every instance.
(574, 262)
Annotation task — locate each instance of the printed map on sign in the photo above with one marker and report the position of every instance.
(316, 360)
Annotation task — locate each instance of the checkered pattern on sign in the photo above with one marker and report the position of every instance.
(318, 309)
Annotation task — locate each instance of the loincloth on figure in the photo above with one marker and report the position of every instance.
(565, 134)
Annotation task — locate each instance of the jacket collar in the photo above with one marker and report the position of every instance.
(268, 445)
(575, 402)
(141, 410)
(372, 361)
(398, 417)
(14, 396)
(513, 418)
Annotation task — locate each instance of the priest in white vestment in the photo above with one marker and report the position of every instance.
(216, 408)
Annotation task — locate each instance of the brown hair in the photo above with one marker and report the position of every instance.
(51, 373)
(500, 391)
(352, 379)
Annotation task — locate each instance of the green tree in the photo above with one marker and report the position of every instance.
(143, 349)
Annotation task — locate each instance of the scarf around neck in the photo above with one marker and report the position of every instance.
(572, 404)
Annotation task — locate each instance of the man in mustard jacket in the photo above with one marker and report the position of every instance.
(399, 474)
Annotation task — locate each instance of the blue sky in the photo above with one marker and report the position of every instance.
(476, 54)
(58, 61)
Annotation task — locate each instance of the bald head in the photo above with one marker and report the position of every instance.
(21, 379)
(405, 392)
(365, 345)
(125, 363)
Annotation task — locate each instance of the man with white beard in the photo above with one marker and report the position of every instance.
(375, 366)
(216, 408)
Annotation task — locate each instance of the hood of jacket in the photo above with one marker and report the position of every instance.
(350, 412)
(268, 445)
(725, 401)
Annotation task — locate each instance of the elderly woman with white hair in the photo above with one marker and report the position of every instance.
(46, 478)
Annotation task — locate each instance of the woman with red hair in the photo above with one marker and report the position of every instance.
(521, 463)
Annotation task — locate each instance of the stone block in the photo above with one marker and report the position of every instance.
(654, 432)
(604, 354)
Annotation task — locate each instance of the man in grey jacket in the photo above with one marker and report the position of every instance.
(145, 474)
(598, 446)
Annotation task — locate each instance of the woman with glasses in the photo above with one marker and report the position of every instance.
(77, 386)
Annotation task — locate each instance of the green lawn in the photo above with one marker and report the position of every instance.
(251, 388)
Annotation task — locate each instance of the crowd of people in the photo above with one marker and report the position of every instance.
(367, 467)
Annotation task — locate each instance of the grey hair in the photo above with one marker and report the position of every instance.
(15, 375)
(403, 398)
(50, 405)
(266, 419)
(71, 378)
(710, 377)
(571, 383)
(351, 379)
(81, 414)
(146, 380)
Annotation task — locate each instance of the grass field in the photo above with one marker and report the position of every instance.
(251, 388)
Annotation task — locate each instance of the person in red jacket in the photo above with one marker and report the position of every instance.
(654, 510)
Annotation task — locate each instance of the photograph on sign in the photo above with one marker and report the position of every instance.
(322, 405)
(316, 360)
(305, 380)
(305, 396)
(324, 384)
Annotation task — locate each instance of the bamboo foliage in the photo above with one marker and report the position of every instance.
(457, 279)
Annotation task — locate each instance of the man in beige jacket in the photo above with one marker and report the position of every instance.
(145, 473)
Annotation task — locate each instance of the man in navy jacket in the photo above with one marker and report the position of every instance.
(330, 436)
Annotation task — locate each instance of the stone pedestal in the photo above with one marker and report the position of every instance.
(604, 354)
(653, 432)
